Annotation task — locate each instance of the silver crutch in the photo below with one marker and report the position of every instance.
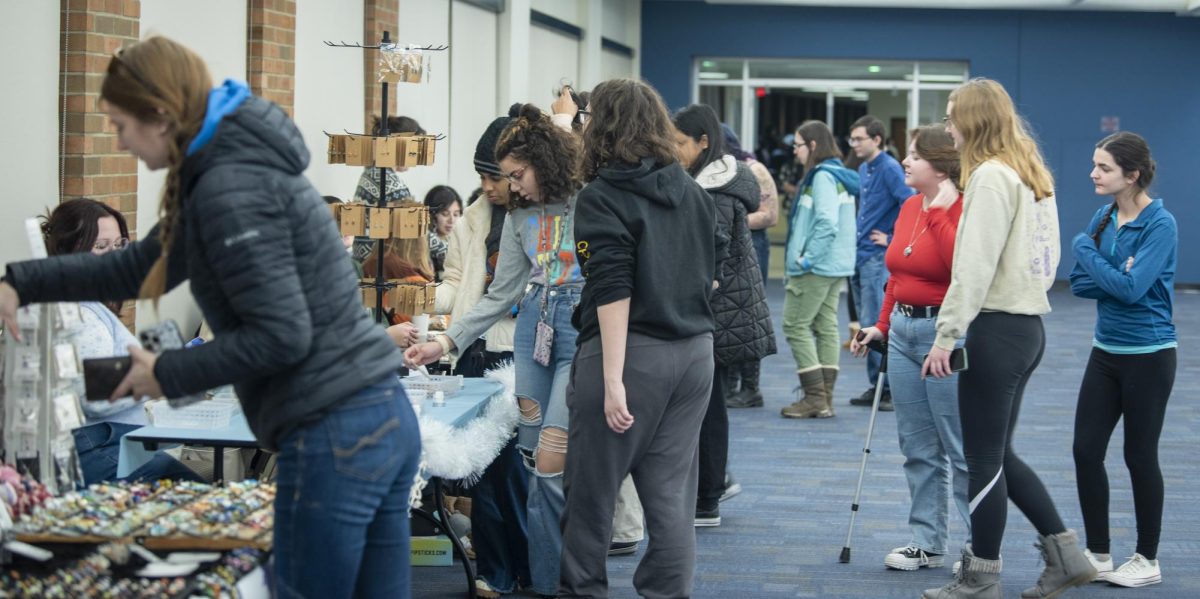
(881, 347)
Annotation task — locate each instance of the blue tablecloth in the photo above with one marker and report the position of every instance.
(460, 409)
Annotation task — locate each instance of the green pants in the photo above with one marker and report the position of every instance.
(810, 320)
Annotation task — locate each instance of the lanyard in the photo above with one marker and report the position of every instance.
(551, 255)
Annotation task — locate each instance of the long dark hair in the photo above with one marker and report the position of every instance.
(826, 146)
(698, 121)
(552, 152)
(439, 198)
(73, 226)
(1132, 154)
(629, 123)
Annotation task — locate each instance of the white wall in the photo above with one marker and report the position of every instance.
(329, 87)
(552, 56)
(427, 23)
(474, 90)
(622, 22)
(571, 11)
(29, 33)
(216, 30)
(614, 65)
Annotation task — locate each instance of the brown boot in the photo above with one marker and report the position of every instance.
(829, 376)
(813, 405)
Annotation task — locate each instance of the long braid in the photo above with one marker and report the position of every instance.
(1104, 222)
(155, 284)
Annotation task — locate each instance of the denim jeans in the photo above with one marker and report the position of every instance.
(762, 247)
(868, 281)
(498, 513)
(546, 385)
(341, 504)
(99, 447)
(930, 433)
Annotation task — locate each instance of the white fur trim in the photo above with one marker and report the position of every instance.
(718, 173)
(464, 453)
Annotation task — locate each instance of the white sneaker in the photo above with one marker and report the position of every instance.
(1102, 562)
(957, 566)
(912, 558)
(1137, 572)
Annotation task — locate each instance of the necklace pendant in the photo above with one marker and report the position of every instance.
(907, 251)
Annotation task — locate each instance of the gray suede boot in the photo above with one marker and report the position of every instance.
(1066, 566)
(978, 578)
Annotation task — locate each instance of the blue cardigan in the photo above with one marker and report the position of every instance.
(1133, 308)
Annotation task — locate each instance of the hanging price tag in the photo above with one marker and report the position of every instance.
(28, 318)
(66, 412)
(66, 362)
(69, 316)
(28, 364)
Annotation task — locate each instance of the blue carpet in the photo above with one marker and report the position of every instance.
(781, 537)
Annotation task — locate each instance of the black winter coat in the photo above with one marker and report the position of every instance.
(739, 305)
(268, 269)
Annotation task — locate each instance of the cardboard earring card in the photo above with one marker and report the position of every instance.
(351, 219)
(380, 223)
(337, 149)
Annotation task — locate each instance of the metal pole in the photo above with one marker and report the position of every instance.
(383, 173)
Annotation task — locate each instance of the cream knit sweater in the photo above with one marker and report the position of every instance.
(1006, 254)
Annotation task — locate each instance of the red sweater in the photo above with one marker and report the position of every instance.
(922, 277)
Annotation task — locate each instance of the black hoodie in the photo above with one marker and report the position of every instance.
(648, 233)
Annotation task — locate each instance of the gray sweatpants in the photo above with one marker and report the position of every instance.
(667, 387)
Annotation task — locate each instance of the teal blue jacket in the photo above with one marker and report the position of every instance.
(821, 225)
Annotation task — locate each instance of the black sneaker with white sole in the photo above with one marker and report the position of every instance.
(708, 517)
(912, 558)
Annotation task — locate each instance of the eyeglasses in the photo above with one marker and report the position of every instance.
(105, 245)
(797, 145)
(854, 141)
(515, 176)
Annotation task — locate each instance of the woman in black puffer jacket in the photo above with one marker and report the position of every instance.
(315, 377)
(743, 332)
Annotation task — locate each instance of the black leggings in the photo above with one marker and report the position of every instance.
(1137, 387)
(1003, 349)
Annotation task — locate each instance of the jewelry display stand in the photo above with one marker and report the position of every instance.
(409, 220)
(43, 381)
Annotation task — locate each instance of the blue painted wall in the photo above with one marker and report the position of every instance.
(1065, 70)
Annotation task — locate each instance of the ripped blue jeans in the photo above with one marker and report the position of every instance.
(341, 505)
(546, 385)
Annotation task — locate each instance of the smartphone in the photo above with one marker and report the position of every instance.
(958, 359)
(102, 375)
(162, 336)
(878, 345)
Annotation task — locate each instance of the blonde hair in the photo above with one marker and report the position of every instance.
(991, 129)
(160, 81)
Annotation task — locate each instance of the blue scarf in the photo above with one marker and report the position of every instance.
(222, 101)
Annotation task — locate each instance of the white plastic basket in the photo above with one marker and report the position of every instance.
(209, 414)
(448, 385)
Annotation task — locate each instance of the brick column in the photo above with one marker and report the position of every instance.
(91, 30)
(378, 16)
(271, 50)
